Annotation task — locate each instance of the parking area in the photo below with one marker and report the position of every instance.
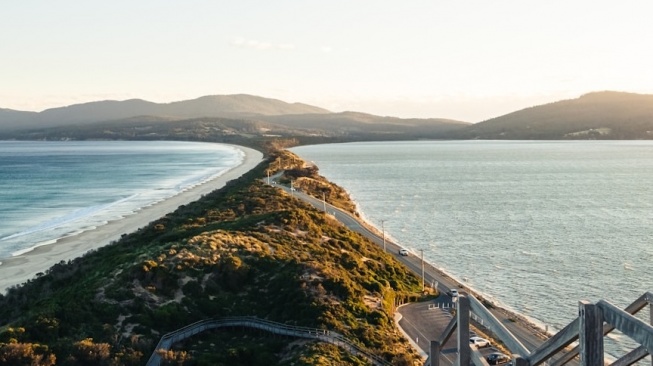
(426, 321)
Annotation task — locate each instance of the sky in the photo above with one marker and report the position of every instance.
(464, 60)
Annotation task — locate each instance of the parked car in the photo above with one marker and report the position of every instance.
(403, 252)
(497, 358)
(479, 342)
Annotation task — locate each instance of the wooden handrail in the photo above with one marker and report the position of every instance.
(322, 335)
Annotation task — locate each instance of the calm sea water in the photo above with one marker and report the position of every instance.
(536, 226)
(53, 189)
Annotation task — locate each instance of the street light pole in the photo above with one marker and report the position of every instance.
(422, 251)
(383, 231)
(324, 201)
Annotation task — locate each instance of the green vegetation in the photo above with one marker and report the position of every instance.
(247, 249)
(250, 249)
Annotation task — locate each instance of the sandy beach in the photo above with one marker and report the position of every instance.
(18, 269)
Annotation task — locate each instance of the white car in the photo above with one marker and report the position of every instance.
(403, 252)
(479, 342)
(453, 292)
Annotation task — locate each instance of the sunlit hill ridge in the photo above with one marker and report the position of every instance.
(598, 115)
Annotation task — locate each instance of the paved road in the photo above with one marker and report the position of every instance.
(426, 321)
(528, 335)
(422, 323)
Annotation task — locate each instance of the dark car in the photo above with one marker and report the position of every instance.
(497, 358)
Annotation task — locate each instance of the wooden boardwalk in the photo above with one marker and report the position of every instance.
(593, 323)
(321, 335)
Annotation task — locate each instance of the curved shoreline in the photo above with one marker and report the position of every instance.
(536, 326)
(17, 270)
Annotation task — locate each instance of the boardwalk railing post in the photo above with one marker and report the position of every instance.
(519, 361)
(462, 317)
(435, 353)
(590, 334)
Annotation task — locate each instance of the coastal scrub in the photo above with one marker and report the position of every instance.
(249, 249)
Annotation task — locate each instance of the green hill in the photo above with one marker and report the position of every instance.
(246, 250)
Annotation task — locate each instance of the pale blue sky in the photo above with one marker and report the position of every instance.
(467, 60)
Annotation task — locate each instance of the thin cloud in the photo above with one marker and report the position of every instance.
(258, 45)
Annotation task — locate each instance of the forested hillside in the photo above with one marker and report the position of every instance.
(248, 249)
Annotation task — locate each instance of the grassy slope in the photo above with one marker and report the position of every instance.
(248, 249)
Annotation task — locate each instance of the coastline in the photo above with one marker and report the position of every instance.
(503, 313)
(447, 280)
(18, 269)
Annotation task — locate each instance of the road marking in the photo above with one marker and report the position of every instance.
(417, 330)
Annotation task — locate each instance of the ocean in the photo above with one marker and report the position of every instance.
(50, 190)
(536, 226)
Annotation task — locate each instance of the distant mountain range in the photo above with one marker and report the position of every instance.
(247, 115)
(599, 115)
(229, 106)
